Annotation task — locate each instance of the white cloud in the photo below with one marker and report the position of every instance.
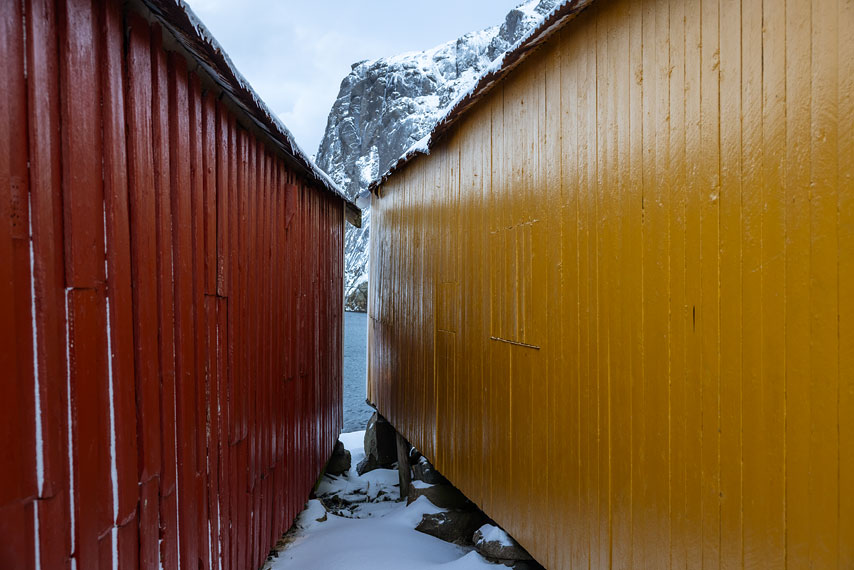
(296, 52)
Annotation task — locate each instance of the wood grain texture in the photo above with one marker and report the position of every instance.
(658, 200)
(152, 281)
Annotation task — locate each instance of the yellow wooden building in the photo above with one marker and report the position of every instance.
(615, 303)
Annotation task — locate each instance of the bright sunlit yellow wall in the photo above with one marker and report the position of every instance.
(616, 305)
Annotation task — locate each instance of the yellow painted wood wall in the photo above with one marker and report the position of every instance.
(616, 305)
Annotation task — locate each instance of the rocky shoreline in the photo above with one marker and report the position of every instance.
(362, 484)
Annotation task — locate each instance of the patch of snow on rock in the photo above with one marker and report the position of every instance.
(492, 533)
(314, 514)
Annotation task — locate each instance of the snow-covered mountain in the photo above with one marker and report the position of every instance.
(386, 105)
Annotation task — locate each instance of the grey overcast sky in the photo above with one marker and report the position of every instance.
(296, 52)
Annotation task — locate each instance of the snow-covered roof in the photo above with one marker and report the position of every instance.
(189, 31)
(562, 13)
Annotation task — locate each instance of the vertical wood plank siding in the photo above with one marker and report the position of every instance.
(170, 332)
(614, 304)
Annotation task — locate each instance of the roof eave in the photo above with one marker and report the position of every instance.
(176, 17)
(559, 17)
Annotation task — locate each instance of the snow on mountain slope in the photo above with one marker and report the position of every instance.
(386, 105)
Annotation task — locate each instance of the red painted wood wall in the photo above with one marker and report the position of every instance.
(170, 307)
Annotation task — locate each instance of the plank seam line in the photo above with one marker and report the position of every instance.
(514, 343)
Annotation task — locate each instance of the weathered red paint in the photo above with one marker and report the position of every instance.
(90, 426)
(46, 216)
(48, 277)
(184, 339)
(144, 246)
(16, 405)
(119, 279)
(165, 300)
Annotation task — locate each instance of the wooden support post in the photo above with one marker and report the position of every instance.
(403, 465)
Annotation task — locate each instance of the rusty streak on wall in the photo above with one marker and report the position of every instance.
(170, 337)
(615, 305)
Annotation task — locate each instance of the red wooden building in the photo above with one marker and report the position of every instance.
(170, 297)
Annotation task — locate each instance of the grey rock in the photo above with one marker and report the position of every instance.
(386, 105)
(523, 564)
(453, 526)
(381, 440)
(380, 445)
(443, 496)
(424, 471)
(340, 461)
(499, 550)
(414, 456)
(366, 464)
(356, 298)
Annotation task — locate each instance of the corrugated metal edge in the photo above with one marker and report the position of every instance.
(560, 16)
(189, 31)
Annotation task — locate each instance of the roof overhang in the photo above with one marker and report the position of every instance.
(561, 15)
(198, 43)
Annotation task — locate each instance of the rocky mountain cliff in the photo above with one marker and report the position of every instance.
(386, 105)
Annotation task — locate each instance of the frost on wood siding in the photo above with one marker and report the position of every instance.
(616, 305)
(170, 338)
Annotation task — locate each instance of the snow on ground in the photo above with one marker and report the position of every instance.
(492, 533)
(373, 528)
